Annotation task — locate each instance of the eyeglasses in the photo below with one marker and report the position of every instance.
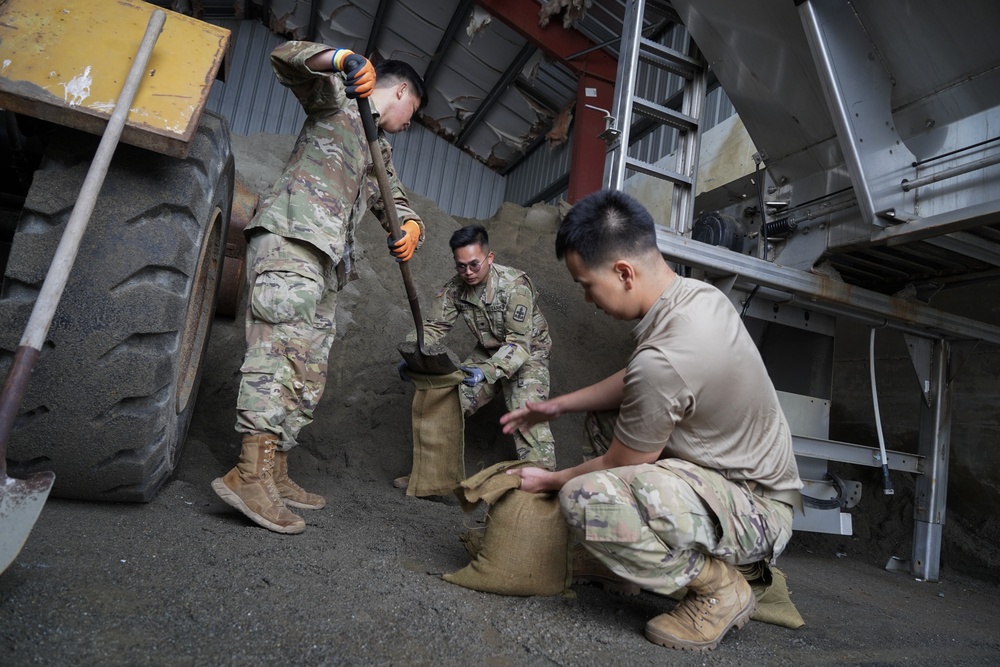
(473, 266)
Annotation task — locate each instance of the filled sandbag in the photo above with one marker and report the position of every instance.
(438, 435)
(524, 547)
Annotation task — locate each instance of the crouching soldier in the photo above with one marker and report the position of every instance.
(699, 476)
(500, 306)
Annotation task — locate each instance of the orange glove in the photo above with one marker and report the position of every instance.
(403, 248)
(360, 73)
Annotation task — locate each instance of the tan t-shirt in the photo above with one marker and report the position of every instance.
(696, 389)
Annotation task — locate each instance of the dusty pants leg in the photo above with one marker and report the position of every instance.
(531, 383)
(316, 362)
(649, 525)
(289, 329)
(607, 512)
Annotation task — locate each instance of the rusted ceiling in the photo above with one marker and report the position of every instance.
(491, 91)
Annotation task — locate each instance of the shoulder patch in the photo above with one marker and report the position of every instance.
(518, 318)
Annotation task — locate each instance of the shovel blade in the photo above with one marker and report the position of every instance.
(21, 501)
(433, 359)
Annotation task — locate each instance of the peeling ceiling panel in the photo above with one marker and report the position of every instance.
(490, 91)
(344, 25)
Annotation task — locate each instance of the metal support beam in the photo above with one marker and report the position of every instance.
(586, 169)
(460, 16)
(377, 25)
(824, 294)
(986, 213)
(596, 70)
(858, 89)
(521, 16)
(969, 245)
(932, 486)
(494, 95)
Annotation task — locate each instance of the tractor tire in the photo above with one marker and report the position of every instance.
(111, 397)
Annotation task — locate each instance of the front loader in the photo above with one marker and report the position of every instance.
(112, 391)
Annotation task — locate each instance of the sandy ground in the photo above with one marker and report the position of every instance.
(185, 580)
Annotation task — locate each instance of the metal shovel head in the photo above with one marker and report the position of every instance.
(21, 501)
(432, 359)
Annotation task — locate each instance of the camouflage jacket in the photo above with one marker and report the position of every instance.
(503, 315)
(329, 181)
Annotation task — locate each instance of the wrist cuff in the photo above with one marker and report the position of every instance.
(338, 59)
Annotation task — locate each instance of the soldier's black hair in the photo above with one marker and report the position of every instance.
(394, 72)
(470, 235)
(605, 224)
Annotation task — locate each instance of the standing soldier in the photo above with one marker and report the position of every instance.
(500, 305)
(301, 253)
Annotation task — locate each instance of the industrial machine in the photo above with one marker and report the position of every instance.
(874, 185)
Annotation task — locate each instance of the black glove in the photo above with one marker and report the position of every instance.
(402, 368)
(473, 376)
(360, 76)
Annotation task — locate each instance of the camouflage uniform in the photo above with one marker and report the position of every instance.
(513, 347)
(301, 249)
(654, 528)
(697, 392)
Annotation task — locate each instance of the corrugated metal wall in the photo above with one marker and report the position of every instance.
(527, 182)
(254, 102)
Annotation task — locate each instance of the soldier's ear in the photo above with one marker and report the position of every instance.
(401, 90)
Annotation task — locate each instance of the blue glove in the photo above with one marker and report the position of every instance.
(473, 376)
(402, 368)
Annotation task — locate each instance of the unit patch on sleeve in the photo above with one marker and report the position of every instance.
(520, 312)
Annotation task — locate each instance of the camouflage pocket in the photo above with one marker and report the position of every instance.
(282, 297)
(612, 522)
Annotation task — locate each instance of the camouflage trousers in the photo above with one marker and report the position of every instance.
(530, 383)
(654, 524)
(290, 328)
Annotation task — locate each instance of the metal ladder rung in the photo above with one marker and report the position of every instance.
(657, 172)
(658, 112)
(667, 59)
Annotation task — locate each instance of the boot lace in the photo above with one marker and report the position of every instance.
(267, 475)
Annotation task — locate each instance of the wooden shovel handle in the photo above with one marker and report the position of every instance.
(371, 134)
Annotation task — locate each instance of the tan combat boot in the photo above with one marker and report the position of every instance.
(718, 599)
(249, 487)
(290, 492)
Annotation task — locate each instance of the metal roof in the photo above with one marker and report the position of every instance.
(490, 92)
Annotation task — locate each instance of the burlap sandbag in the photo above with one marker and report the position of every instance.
(438, 435)
(524, 549)
(774, 602)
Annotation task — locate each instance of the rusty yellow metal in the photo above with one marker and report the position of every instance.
(67, 60)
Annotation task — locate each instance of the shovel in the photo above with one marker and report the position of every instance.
(21, 500)
(436, 358)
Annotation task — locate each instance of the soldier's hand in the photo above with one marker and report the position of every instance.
(473, 375)
(360, 76)
(404, 247)
(531, 414)
(536, 480)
